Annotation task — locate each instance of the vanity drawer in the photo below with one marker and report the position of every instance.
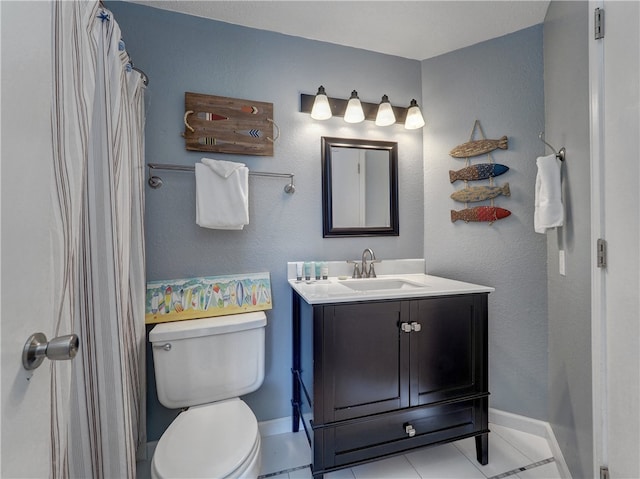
(385, 434)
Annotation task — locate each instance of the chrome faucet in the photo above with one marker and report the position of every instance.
(367, 269)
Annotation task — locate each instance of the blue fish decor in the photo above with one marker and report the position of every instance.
(481, 171)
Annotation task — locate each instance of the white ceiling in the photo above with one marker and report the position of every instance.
(411, 29)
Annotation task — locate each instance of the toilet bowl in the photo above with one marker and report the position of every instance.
(219, 440)
(205, 365)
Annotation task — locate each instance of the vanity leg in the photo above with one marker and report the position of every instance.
(482, 448)
(295, 334)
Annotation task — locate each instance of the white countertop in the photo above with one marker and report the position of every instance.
(385, 286)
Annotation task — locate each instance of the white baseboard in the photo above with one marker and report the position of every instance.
(272, 427)
(535, 427)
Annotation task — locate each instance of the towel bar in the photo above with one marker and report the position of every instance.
(156, 182)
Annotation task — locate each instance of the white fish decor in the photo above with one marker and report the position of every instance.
(479, 147)
(480, 193)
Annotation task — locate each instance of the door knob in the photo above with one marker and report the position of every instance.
(37, 348)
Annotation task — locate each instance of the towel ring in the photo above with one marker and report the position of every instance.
(559, 154)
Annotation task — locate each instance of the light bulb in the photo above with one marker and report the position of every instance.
(354, 113)
(321, 109)
(385, 116)
(414, 118)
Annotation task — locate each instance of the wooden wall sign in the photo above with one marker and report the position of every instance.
(228, 125)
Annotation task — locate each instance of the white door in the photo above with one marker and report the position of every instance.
(25, 169)
(615, 74)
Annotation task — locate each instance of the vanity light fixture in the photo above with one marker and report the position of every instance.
(385, 115)
(353, 110)
(414, 117)
(321, 109)
(354, 113)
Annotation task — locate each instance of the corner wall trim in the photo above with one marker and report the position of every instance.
(532, 426)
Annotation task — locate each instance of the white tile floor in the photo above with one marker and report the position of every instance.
(512, 454)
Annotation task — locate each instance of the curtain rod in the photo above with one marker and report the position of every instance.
(156, 182)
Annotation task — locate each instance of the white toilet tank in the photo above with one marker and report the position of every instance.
(205, 360)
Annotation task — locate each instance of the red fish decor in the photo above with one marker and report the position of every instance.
(479, 147)
(480, 213)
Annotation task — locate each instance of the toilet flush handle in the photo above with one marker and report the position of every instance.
(165, 346)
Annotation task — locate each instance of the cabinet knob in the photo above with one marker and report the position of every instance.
(408, 428)
(408, 327)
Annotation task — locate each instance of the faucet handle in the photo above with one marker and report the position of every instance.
(372, 271)
(356, 269)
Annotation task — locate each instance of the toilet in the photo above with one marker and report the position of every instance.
(205, 365)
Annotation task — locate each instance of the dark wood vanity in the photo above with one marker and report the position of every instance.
(378, 378)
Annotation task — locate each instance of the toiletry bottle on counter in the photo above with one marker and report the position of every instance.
(299, 268)
(318, 267)
(307, 270)
(325, 270)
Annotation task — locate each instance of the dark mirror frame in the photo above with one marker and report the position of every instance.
(328, 230)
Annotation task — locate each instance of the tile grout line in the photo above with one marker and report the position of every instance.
(284, 471)
(533, 465)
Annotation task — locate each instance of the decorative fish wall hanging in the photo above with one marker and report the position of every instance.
(480, 193)
(481, 171)
(479, 147)
(480, 213)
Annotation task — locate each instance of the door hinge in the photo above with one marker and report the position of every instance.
(598, 22)
(602, 253)
(604, 472)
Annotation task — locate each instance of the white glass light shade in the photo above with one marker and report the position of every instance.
(385, 116)
(414, 118)
(321, 109)
(354, 113)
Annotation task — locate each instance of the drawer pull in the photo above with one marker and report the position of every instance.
(408, 428)
(406, 327)
(416, 326)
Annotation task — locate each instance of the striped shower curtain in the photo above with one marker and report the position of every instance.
(97, 408)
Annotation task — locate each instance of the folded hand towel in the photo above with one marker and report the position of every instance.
(222, 194)
(549, 212)
(222, 167)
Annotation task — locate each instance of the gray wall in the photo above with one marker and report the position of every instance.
(500, 83)
(566, 80)
(182, 53)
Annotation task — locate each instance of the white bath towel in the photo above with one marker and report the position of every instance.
(549, 211)
(222, 194)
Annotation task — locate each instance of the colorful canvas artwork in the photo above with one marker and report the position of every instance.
(191, 298)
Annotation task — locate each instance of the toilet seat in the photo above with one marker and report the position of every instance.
(218, 440)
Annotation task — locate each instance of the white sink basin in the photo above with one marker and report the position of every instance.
(381, 284)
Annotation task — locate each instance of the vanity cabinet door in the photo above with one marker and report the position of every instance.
(365, 359)
(448, 354)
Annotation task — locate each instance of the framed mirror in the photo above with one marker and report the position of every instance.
(359, 187)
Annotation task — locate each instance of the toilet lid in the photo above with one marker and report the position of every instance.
(212, 440)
